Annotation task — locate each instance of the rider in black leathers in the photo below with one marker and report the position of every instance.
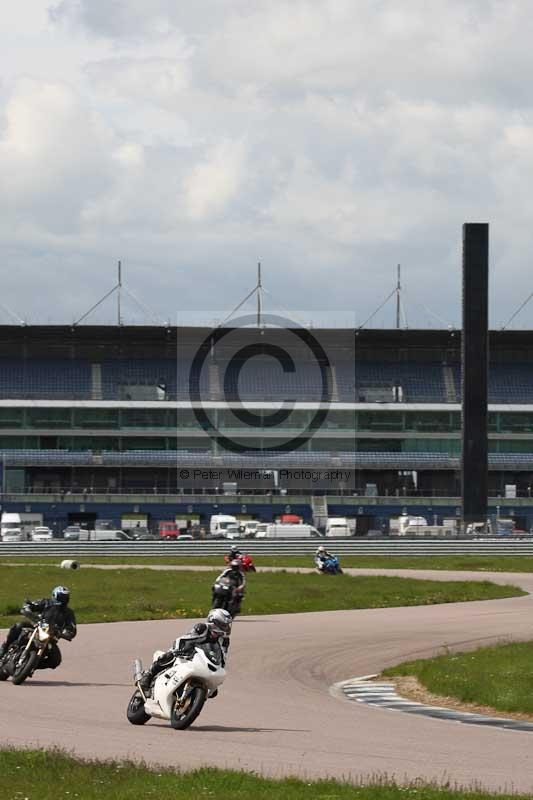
(235, 574)
(215, 630)
(234, 552)
(57, 613)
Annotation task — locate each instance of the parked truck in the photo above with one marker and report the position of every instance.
(168, 530)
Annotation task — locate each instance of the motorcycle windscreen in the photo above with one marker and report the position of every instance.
(213, 652)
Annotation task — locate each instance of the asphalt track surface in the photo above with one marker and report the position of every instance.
(276, 713)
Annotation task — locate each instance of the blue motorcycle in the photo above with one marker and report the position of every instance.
(331, 566)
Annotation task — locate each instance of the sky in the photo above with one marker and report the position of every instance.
(328, 139)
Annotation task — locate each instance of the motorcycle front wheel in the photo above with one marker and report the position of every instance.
(25, 668)
(135, 711)
(185, 712)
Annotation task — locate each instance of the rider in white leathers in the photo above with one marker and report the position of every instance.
(215, 630)
(321, 556)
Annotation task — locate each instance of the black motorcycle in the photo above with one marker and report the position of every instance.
(227, 596)
(30, 650)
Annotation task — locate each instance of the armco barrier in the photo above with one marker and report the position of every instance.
(277, 547)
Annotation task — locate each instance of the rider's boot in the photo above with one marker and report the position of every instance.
(145, 680)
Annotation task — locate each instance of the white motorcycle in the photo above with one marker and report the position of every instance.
(179, 692)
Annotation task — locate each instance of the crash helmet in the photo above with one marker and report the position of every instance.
(320, 550)
(61, 595)
(235, 563)
(219, 622)
(234, 551)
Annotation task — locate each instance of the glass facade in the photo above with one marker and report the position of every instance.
(359, 430)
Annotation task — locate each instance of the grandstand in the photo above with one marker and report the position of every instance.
(101, 421)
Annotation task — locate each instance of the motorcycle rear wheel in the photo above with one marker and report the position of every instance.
(25, 669)
(182, 719)
(135, 711)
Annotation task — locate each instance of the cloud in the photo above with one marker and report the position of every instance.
(158, 80)
(55, 154)
(328, 138)
(215, 182)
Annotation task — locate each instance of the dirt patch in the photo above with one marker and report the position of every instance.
(410, 688)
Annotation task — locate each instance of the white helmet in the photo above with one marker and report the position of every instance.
(321, 549)
(219, 621)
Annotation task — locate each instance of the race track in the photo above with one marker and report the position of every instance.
(275, 714)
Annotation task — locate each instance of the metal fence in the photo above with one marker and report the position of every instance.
(274, 547)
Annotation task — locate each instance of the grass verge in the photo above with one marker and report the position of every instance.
(468, 562)
(498, 677)
(113, 595)
(48, 775)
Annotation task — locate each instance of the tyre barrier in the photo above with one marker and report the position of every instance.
(69, 564)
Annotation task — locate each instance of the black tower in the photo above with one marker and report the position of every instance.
(474, 369)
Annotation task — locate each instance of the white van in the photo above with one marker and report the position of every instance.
(104, 535)
(11, 528)
(398, 525)
(337, 526)
(219, 523)
(251, 528)
(286, 531)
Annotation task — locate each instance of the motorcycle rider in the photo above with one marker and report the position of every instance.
(54, 611)
(321, 556)
(234, 573)
(215, 630)
(234, 553)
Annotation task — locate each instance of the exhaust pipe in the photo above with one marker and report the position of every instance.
(68, 564)
(137, 670)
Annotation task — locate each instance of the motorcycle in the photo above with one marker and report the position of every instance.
(227, 596)
(331, 566)
(179, 692)
(25, 655)
(246, 561)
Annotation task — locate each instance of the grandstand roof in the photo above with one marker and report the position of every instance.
(21, 341)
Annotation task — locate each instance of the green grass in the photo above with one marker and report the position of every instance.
(500, 677)
(112, 595)
(467, 562)
(49, 775)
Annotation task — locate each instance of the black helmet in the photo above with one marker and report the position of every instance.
(61, 595)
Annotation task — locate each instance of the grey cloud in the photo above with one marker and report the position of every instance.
(122, 19)
(331, 140)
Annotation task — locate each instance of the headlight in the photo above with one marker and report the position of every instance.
(44, 631)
